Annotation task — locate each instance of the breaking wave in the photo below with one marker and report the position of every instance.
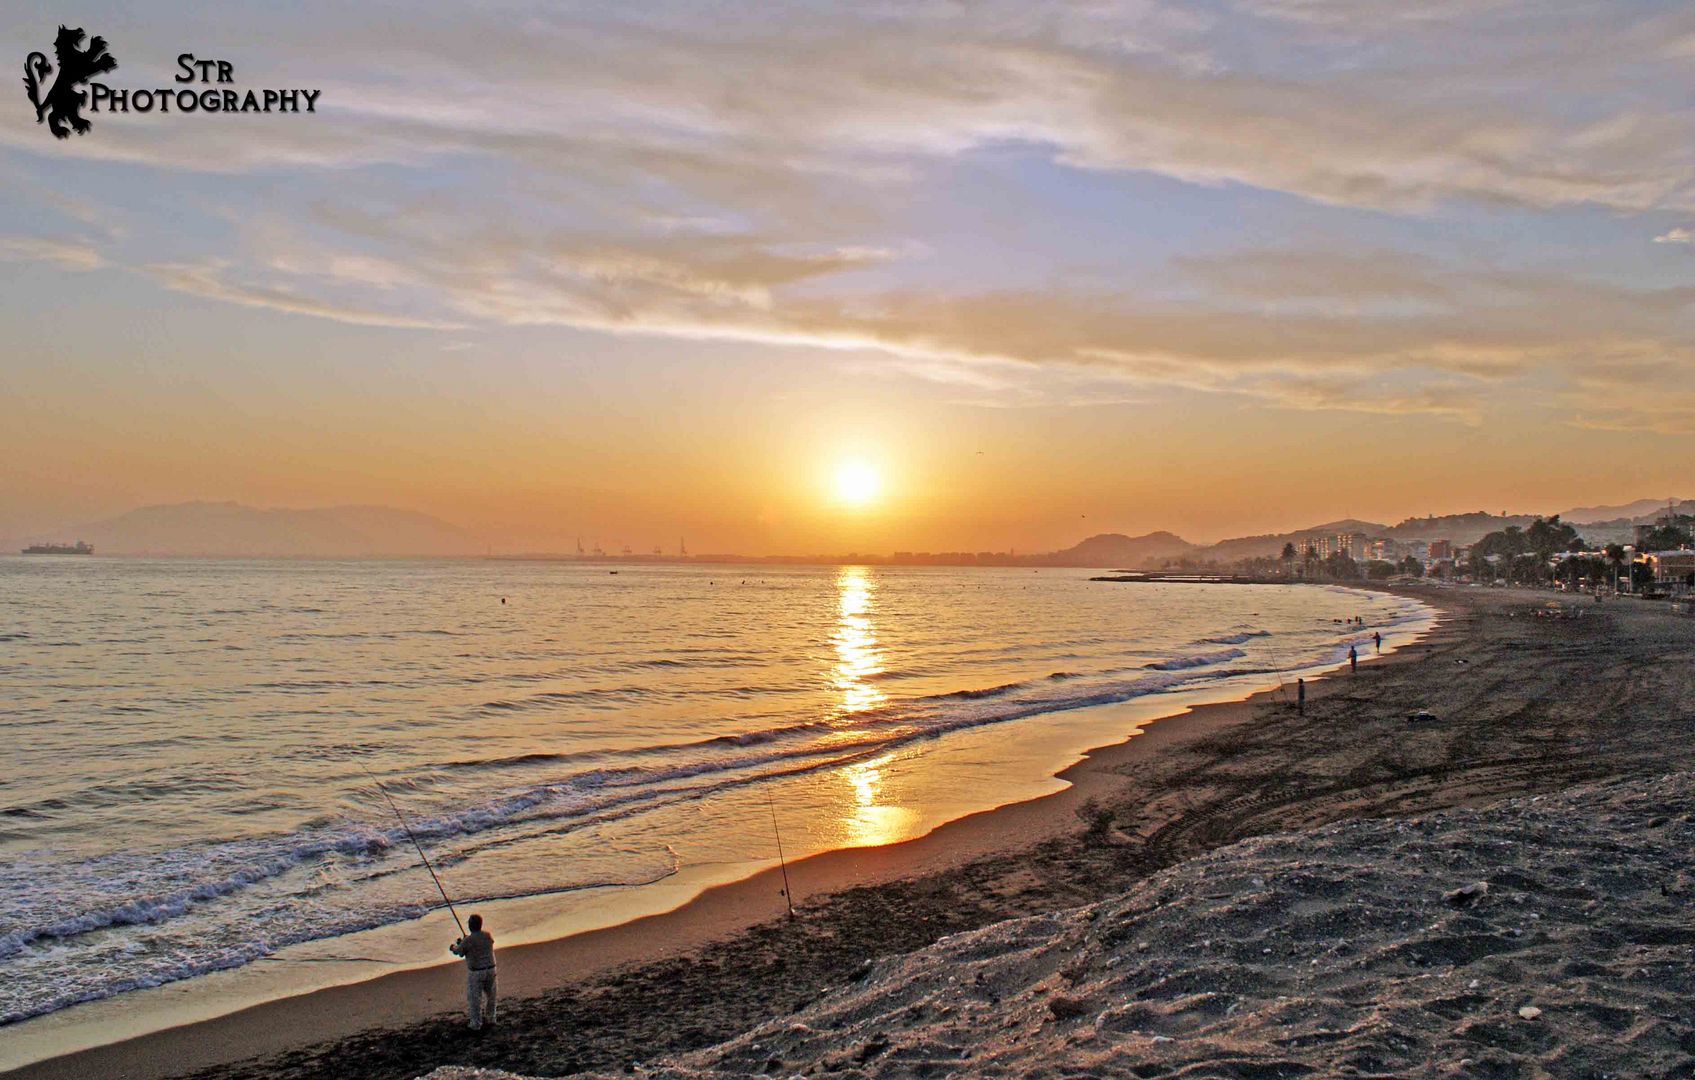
(590, 754)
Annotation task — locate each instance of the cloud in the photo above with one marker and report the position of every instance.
(776, 108)
(1470, 329)
(765, 175)
(1373, 331)
(1655, 419)
(87, 215)
(1345, 277)
(211, 281)
(1641, 393)
(1678, 235)
(1394, 13)
(74, 255)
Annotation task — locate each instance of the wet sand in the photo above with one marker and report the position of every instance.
(1522, 704)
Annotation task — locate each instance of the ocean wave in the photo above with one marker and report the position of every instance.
(537, 758)
(987, 691)
(168, 969)
(159, 893)
(1234, 639)
(296, 636)
(552, 698)
(225, 869)
(48, 900)
(1179, 663)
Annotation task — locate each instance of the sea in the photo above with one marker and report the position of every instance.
(202, 754)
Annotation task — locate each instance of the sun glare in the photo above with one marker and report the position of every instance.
(857, 483)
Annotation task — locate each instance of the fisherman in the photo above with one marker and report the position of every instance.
(1378, 640)
(477, 948)
(1353, 660)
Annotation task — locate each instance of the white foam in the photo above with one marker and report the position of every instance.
(93, 926)
(1179, 663)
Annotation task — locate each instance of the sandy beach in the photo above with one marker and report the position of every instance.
(1521, 704)
(1543, 936)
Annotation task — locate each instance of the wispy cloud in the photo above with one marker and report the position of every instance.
(211, 281)
(67, 255)
(803, 93)
(1312, 329)
(761, 189)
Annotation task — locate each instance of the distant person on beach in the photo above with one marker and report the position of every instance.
(1377, 639)
(1353, 660)
(1301, 696)
(477, 948)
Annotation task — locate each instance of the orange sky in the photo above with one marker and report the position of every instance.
(1219, 270)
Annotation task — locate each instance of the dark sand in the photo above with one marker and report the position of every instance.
(1546, 936)
(1522, 704)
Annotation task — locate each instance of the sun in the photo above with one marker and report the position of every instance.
(857, 484)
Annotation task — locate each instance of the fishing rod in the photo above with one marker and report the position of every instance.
(409, 835)
(1277, 665)
(1278, 668)
(788, 897)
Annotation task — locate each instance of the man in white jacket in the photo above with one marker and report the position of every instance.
(477, 947)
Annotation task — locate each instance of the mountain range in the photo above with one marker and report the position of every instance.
(1116, 549)
(1599, 525)
(229, 528)
(1642, 510)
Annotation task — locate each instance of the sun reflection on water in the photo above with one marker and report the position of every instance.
(871, 823)
(857, 657)
(866, 821)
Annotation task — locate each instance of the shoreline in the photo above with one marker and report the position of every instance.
(710, 913)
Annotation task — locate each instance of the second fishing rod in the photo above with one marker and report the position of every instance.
(425, 859)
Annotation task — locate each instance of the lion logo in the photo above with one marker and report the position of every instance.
(61, 106)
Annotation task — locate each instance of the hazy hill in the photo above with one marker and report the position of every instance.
(1460, 528)
(227, 528)
(1642, 509)
(1270, 545)
(1118, 550)
(1601, 524)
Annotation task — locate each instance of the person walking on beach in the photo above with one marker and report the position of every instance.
(1353, 660)
(477, 947)
(1377, 639)
(1300, 697)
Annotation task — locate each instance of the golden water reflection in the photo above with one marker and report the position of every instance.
(857, 657)
(866, 821)
(870, 823)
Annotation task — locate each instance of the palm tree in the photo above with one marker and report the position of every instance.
(1615, 555)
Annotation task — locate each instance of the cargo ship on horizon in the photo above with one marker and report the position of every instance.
(78, 548)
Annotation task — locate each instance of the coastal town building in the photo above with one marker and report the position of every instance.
(1353, 545)
(1674, 571)
(1385, 550)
